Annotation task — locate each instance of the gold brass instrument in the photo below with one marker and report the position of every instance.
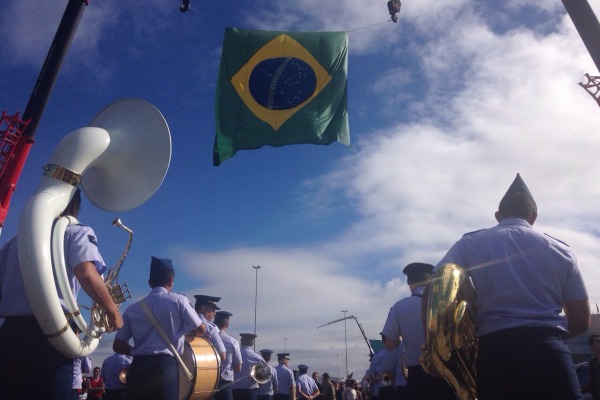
(118, 292)
(451, 345)
(123, 375)
(261, 373)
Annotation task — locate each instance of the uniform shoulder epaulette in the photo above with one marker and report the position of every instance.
(471, 233)
(558, 240)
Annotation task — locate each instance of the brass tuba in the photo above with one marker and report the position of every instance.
(451, 345)
(261, 373)
(120, 161)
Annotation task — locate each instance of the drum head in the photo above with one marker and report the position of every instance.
(203, 362)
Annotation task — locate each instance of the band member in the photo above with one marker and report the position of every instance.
(404, 325)
(233, 360)
(266, 390)
(111, 369)
(244, 387)
(154, 370)
(305, 385)
(206, 307)
(593, 385)
(22, 339)
(286, 383)
(524, 281)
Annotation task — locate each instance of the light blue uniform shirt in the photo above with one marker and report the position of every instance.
(285, 379)
(397, 357)
(111, 367)
(80, 245)
(376, 371)
(81, 365)
(404, 320)
(234, 356)
(522, 277)
(174, 314)
(307, 384)
(242, 379)
(212, 334)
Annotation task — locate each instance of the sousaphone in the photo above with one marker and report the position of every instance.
(120, 161)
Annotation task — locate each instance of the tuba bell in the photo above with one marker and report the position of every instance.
(451, 345)
(120, 160)
(261, 373)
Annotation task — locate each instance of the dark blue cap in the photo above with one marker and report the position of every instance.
(518, 186)
(223, 315)
(265, 351)
(160, 267)
(302, 367)
(417, 269)
(248, 335)
(202, 299)
(283, 355)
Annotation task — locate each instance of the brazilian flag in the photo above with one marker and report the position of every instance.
(277, 88)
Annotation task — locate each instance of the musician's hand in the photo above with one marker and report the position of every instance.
(115, 319)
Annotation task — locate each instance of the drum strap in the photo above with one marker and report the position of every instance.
(163, 334)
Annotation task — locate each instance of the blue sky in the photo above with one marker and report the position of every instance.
(445, 107)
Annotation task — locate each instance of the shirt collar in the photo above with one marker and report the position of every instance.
(514, 221)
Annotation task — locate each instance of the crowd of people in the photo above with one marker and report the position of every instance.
(530, 297)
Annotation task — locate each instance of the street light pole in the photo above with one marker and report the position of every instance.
(285, 345)
(337, 356)
(256, 268)
(346, 341)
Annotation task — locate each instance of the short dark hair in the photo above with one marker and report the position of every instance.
(75, 200)
(517, 205)
(593, 338)
(418, 278)
(161, 279)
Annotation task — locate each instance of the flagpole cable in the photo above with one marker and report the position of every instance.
(369, 26)
(192, 11)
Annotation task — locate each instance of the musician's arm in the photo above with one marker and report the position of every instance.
(238, 367)
(121, 346)
(302, 393)
(578, 316)
(92, 284)
(391, 344)
(316, 393)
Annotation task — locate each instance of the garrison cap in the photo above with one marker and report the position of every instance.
(223, 315)
(417, 269)
(160, 267)
(248, 335)
(202, 299)
(283, 355)
(517, 201)
(518, 186)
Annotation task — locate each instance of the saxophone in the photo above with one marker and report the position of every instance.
(118, 292)
(451, 345)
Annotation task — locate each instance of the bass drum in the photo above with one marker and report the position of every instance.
(203, 362)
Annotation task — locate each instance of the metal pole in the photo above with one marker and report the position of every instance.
(256, 268)
(337, 356)
(346, 341)
(587, 26)
(285, 345)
